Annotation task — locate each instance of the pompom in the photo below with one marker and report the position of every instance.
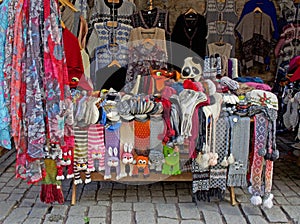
(224, 162)
(256, 200)
(230, 159)
(262, 152)
(268, 203)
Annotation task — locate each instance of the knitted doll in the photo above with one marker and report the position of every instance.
(67, 158)
(157, 160)
(171, 165)
(112, 155)
(81, 155)
(141, 163)
(51, 188)
(96, 147)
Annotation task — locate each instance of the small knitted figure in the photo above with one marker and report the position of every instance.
(112, 155)
(171, 165)
(127, 159)
(142, 163)
(157, 159)
(96, 147)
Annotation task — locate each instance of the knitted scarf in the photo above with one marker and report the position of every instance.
(240, 136)
(218, 173)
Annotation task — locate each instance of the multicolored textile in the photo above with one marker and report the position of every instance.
(4, 113)
(56, 75)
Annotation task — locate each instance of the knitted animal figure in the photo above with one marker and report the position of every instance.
(96, 147)
(67, 159)
(112, 160)
(171, 165)
(127, 158)
(157, 159)
(142, 163)
(80, 165)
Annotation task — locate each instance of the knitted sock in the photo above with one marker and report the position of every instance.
(235, 70)
(157, 132)
(142, 134)
(260, 132)
(96, 147)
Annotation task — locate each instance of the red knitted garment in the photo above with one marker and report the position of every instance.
(73, 56)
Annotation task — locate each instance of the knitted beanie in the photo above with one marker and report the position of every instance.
(189, 84)
(167, 92)
(157, 132)
(178, 86)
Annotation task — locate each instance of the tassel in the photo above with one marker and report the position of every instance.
(256, 200)
(231, 159)
(268, 203)
(224, 162)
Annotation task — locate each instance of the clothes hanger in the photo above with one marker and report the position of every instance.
(114, 63)
(112, 23)
(148, 41)
(257, 9)
(191, 10)
(62, 24)
(69, 4)
(220, 42)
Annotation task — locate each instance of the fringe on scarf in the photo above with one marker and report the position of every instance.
(238, 180)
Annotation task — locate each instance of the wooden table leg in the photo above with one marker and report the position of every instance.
(73, 201)
(232, 196)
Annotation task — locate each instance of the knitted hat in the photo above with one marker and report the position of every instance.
(192, 68)
(226, 81)
(263, 98)
(167, 92)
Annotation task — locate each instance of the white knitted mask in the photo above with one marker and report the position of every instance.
(191, 69)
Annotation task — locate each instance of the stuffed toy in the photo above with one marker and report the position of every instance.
(80, 165)
(141, 163)
(157, 159)
(192, 69)
(127, 159)
(112, 160)
(171, 165)
(67, 159)
(96, 147)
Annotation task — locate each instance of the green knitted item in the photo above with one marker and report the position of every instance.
(171, 165)
(51, 188)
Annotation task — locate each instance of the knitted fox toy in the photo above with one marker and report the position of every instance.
(171, 165)
(142, 163)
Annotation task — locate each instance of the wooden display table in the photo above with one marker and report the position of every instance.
(153, 178)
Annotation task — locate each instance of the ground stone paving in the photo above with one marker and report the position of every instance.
(158, 203)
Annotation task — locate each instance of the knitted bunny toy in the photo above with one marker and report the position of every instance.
(112, 160)
(127, 158)
(171, 165)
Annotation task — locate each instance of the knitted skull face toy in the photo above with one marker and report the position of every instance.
(192, 69)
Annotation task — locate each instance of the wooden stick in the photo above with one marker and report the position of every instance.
(232, 196)
(73, 201)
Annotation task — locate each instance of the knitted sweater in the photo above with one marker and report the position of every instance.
(101, 34)
(267, 7)
(152, 18)
(190, 31)
(105, 11)
(256, 31)
(73, 55)
(221, 10)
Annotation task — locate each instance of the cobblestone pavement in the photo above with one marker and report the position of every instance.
(168, 202)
